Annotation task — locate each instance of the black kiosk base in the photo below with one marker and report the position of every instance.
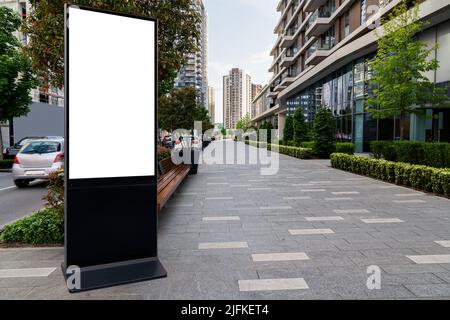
(113, 274)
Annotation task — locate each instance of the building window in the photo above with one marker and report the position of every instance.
(363, 11)
(347, 25)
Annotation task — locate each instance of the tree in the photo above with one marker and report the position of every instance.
(244, 123)
(300, 127)
(288, 133)
(178, 24)
(16, 78)
(324, 133)
(400, 86)
(179, 110)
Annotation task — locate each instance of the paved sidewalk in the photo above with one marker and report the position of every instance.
(309, 232)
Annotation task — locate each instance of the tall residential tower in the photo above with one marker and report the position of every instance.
(237, 95)
(195, 71)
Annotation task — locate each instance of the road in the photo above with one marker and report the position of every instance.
(16, 203)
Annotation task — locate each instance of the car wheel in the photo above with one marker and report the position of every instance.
(21, 183)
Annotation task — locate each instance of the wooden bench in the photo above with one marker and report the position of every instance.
(171, 177)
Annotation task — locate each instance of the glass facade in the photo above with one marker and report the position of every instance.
(344, 93)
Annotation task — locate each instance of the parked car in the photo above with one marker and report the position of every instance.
(36, 160)
(168, 142)
(11, 152)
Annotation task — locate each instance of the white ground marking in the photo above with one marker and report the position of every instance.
(444, 243)
(222, 245)
(387, 220)
(297, 232)
(26, 273)
(288, 256)
(332, 218)
(226, 218)
(429, 259)
(350, 211)
(272, 284)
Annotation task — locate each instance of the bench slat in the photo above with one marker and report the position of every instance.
(170, 180)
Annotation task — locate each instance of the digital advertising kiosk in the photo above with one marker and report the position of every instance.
(110, 150)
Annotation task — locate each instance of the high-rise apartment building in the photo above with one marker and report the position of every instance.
(256, 90)
(195, 71)
(321, 59)
(212, 104)
(237, 96)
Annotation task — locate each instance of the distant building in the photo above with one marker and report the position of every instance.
(195, 71)
(237, 96)
(44, 111)
(212, 104)
(256, 90)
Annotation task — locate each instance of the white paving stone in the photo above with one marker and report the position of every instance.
(444, 243)
(313, 190)
(298, 232)
(341, 193)
(219, 198)
(26, 273)
(289, 256)
(332, 218)
(408, 201)
(259, 189)
(272, 284)
(338, 199)
(386, 220)
(296, 198)
(408, 194)
(276, 208)
(217, 183)
(350, 211)
(430, 259)
(222, 245)
(225, 218)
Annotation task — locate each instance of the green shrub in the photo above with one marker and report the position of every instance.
(345, 147)
(296, 152)
(435, 155)
(324, 133)
(288, 133)
(55, 193)
(307, 144)
(301, 131)
(6, 164)
(416, 176)
(163, 153)
(43, 227)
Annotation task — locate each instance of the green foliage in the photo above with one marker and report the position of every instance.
(43, 227)
(345, 147)
(55, 193)
(179, 110)
(163, 153)
(288, 133)
(296, 152)
(16, 78)
(223, 131)
(6, 164)
(415, 176)
(266, 125)
(245, 123)
(422, 153)
(178, 24)
(399, 81)
(301, 131)
(324, 133)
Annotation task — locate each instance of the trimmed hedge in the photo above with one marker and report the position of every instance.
(435, 155)
(43, 227)
(345, 147)
(410, 175)
(6, 164)
(296, 152)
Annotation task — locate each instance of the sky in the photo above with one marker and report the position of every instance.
(240, 35)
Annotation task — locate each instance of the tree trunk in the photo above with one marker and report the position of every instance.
(1, 143)
(402, 127)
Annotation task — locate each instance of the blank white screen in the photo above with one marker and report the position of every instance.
(111, 96)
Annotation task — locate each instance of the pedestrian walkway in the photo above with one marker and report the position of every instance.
(309, 232)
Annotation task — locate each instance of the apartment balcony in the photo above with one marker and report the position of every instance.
(287, 60)
(318, 52)
(312, 5)
(272, 93)
(319, 22)
(287, 81)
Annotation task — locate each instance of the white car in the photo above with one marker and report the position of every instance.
(36, 160)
